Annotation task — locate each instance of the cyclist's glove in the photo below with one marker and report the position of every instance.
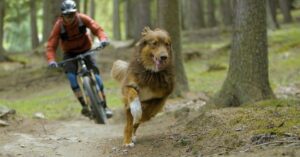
(52, 64)
(104, 43)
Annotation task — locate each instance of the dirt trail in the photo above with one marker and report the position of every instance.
(73, 138)
(78, 138)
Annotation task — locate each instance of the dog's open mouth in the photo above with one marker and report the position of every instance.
(159, 63)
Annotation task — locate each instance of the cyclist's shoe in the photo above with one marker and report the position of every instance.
(108, 112)
(85, 111)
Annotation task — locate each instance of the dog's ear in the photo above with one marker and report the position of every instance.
(145, 31)
(137, 44)
(158, 29)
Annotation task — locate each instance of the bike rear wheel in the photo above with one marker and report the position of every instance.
(95, 102)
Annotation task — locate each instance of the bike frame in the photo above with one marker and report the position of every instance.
(87, 76)
(82, 68)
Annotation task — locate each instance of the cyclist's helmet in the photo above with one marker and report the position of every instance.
(68, 6)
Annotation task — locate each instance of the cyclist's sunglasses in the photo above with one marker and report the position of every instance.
(69, 15)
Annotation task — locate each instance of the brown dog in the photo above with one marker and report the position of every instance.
(146, 81)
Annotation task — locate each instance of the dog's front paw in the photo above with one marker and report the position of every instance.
(133, 139)
(129, 145)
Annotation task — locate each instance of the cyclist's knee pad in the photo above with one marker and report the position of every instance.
(72, 77)
(99, 81)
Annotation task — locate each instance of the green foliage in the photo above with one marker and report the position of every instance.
(104, 15)
(18, 38)
(17, 26)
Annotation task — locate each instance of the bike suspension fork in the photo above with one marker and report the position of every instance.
(101, 86)
(72, 77)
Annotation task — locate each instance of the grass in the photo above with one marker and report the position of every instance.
(113, 93)
(58, 104)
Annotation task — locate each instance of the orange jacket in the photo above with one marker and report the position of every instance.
(75, 42)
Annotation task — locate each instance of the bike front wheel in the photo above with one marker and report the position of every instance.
(97, 108)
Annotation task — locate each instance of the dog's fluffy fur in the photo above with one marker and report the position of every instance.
(146, 81)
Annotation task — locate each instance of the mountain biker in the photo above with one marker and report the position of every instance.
(70, 31)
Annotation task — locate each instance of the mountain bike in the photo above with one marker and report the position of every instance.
(89, 86)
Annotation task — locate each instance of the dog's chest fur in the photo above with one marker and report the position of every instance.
(152, 85)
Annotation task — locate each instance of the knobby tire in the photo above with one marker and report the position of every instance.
(96, 108)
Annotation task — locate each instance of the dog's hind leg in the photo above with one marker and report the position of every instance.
(128, 131)
(152, 109)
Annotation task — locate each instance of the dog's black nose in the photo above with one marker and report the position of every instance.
(163, 57)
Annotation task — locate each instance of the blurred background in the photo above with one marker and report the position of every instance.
(203, 38)
(27, 23)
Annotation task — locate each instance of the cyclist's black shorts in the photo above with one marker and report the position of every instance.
(72, 66)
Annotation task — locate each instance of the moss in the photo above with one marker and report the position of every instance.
(232, 128)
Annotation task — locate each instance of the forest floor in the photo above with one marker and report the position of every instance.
(186, 128)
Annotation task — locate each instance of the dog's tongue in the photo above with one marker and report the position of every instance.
(157, 63)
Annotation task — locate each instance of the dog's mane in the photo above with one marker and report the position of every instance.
(155, 80)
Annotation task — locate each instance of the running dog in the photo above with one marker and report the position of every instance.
(146, 81)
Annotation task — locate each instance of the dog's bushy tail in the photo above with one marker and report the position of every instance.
(119, 69)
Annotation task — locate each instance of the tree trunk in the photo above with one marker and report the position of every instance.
(129, 19)
(85, 6)
(226, 12)
(51, 11)
(183, 14)
(92, 9)
(211, 17)
(195, 14)
(2, 15)
(46, 20)
(153, 13)
(137, 16)
(247, 78)
(271, 14)
(286, 10)
(142, 8)
(116, 20)
(34, 29)
(169, 19)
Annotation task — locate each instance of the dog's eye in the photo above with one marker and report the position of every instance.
(167, 44)
(154, 43)
(144, 42)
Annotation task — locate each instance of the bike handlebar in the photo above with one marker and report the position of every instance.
(87, 53)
